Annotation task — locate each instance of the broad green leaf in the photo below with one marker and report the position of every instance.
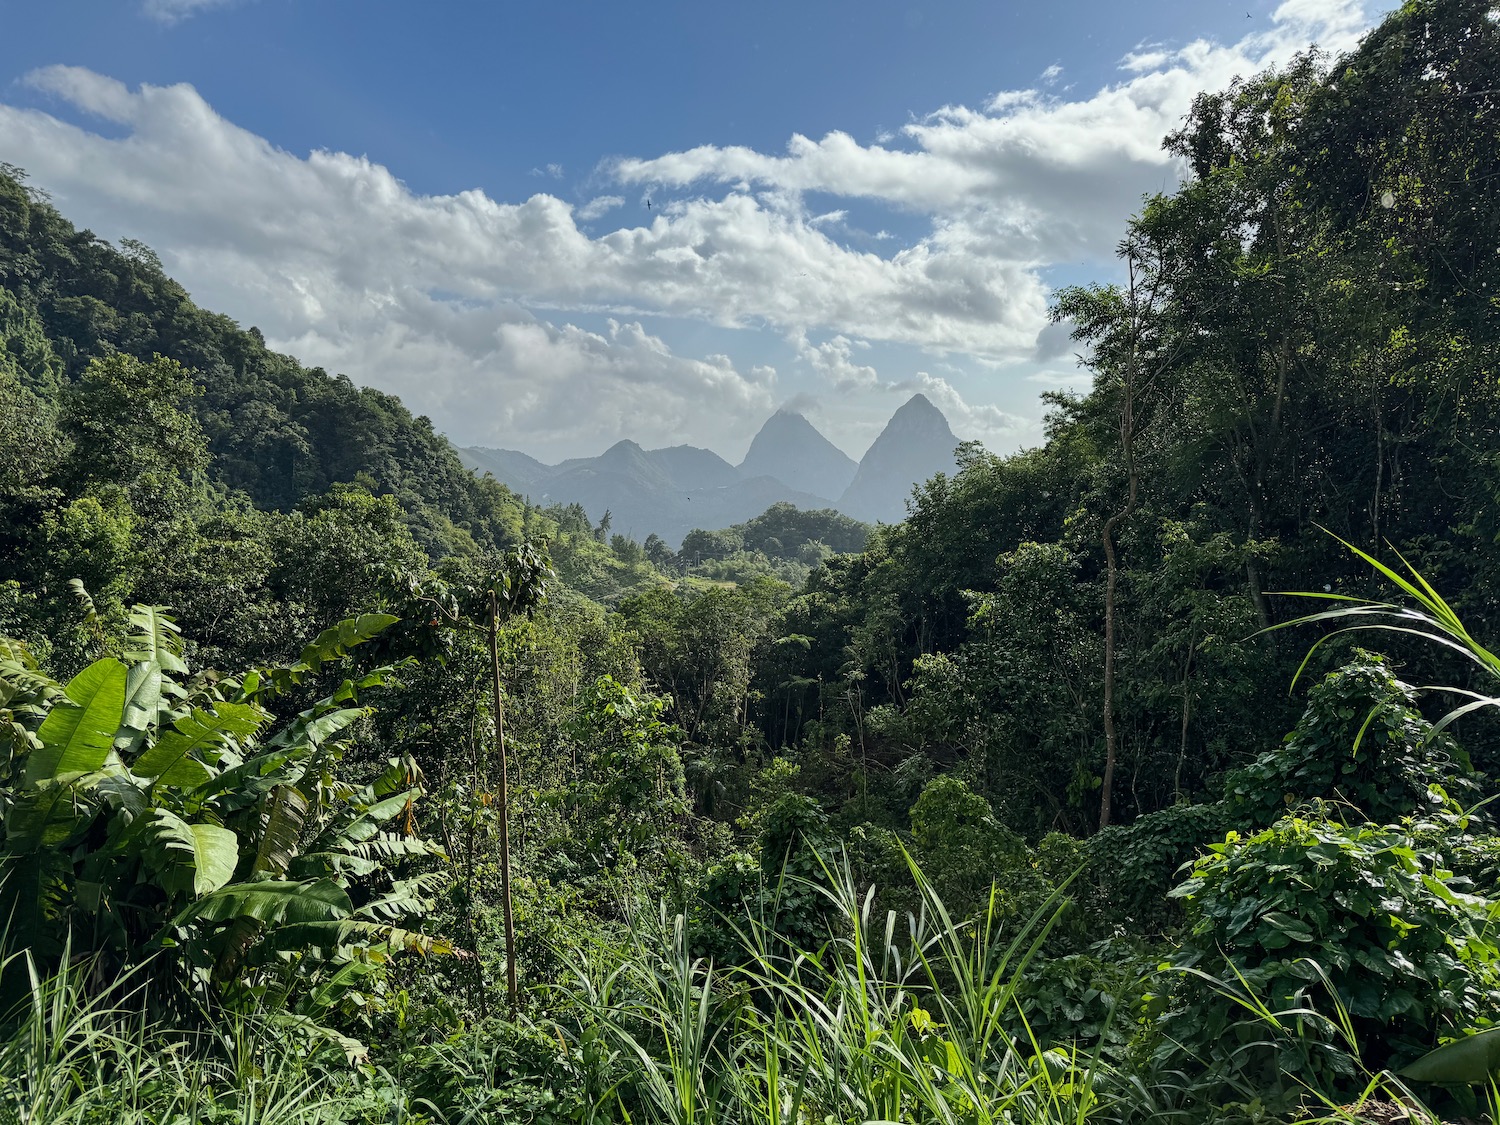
(19, 679)
(13, 651)
(217, 850)
(172, 762)
(1470, 1061)
(331, 644)
(23, 879)
(247, 783)
(196, 858)
(42, 817)
(143, 695)
(120, 790)
(77, 735)
(319, 730)
(286, 813)
(276, 901)
(155, 639)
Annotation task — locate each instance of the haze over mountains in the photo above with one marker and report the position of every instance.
(669, 492)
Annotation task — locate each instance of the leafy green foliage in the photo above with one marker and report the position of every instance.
(1133, 867)
(630, 790)
(1405, 948)
(148, 811)
(1362, 742)
(932, 702)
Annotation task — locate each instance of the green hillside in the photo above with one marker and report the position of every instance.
(327, 799)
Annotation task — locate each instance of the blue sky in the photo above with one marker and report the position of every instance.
(850, 202)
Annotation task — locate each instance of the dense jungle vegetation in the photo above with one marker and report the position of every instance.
(340, 785)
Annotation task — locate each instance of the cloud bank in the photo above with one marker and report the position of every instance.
(460, 302)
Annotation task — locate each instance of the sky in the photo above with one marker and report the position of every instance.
(554, 225)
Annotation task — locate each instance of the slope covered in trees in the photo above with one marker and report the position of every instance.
(1019, 813)
(276, 431)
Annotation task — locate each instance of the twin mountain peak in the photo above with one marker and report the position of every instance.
(670, 491)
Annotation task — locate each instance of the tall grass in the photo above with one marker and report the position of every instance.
(73, 1054)
(1431, 619)
(916, 1019)
(890, 1019)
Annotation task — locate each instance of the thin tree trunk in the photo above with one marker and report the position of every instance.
(1187, 709)
(1111, 736)
(510, 926)
(1111, 589)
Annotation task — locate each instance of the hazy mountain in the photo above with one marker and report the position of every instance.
(669, 492)
(915, 444)
(666, 492)
(514, 469)
(789, 448)
(624, 460)
(691, 467)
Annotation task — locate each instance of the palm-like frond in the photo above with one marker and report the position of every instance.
(1431, 619)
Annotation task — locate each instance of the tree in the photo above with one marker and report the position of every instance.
(512, 590)
(1132, 351)
(658, 553)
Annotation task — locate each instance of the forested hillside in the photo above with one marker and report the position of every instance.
(325, 789)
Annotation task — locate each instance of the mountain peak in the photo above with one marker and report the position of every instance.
(790, 449)
(919, 406)
(916, 444)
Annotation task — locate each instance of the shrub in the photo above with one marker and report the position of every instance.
(1360, 741)
(1370, 913)
(1133, 866)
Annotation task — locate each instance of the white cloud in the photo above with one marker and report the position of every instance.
(598, 207)
(1029, 178)
(428, 295)
(170, 11)
(834, 360)
(500, 376)
(194, 184)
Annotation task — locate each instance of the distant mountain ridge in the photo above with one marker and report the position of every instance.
(669, 492)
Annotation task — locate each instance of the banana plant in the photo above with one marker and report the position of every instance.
(147, 808)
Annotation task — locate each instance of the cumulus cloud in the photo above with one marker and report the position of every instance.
(170, 11)
(514, 379)
(1029, 177)
(834, 360)
(437, 296)
(198, 185)
(598, 207)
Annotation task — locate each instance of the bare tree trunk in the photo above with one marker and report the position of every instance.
(1187, 710)
(1111, 586)
(1112, 582)
(511, 993)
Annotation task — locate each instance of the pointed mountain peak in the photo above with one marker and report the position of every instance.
(917, 406)
(787, 420)
(790, 449)
(916, 444)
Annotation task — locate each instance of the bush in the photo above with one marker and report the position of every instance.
(1360, 741)
(1370, 913)
(1133, 866)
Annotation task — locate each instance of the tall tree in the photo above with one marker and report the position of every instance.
(1131, 349)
